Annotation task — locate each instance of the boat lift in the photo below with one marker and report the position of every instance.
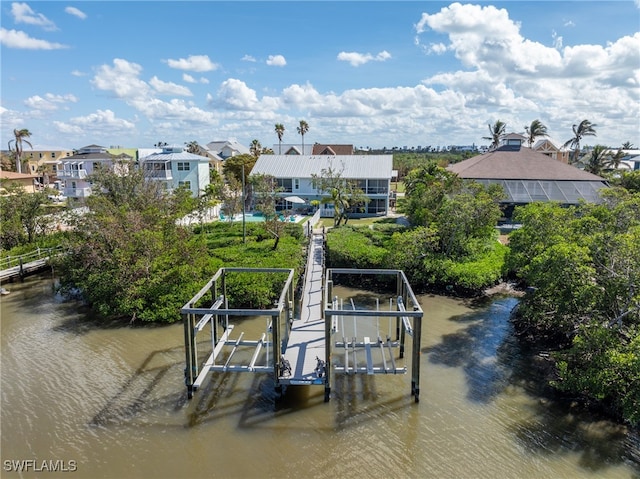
(216, 316)
(306, 350)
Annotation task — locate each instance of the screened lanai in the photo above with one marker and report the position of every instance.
(527, 176)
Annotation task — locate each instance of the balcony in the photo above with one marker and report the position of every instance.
(161, 175)
(72, 174)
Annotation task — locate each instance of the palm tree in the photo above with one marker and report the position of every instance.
(302, 129)
(598, 161)
(585, 128)
(20, 136)
(496, 131)
(535, 130)
(627, 145)
(280, 133)
(255, 148)
(193, 147)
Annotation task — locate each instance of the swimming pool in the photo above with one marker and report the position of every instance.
(258, 218)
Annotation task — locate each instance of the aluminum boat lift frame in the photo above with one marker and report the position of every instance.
(216, 316)
(290, 361)
(408, 321)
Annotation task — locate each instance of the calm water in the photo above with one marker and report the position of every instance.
(111, 403)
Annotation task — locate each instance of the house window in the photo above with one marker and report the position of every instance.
(184, 166)
(53, 154)
(186, 184)
(296, 183)
(286, 184)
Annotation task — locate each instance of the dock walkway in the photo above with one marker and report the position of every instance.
(307, 336)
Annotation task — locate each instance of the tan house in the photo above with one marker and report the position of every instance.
(27, 181)
(547, 147)
(319, 149)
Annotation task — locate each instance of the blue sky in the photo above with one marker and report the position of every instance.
(368, 73)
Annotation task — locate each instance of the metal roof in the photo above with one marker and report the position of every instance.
(304, 166)
(170, 156)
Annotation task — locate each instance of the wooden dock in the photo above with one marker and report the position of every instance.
(307, 336)
(19, 267)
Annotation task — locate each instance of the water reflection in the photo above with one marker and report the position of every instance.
(113, 398)
(476, 347)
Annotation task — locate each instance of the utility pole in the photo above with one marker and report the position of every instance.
(244, 224)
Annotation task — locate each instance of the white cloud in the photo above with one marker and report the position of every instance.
(188, 78)
(76, 12)
(557, 41)
(276, 61)
(49, 102)
(234, 94)
(356, 59)
(194, 63)
(22, 13)
(169, 88)
(438, 48)
(18, 39)
(78, 73)
(248, 58)
(569, 23)
(121, 79)
(102, 122)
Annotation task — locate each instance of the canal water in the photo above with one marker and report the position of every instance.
(110, 402)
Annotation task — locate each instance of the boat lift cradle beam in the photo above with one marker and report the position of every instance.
(195, 319)
(407, 322)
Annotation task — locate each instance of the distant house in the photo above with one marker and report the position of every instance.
(175, 168)
(293, 149)
(75, 170)
(527, 176)
(226, 149)
(630, 160)
(28, 182)
(319, 149)
(371, 172)
(546, 146)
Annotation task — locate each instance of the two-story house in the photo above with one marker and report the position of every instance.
(176, 168)
(75, 170)
(372, 174)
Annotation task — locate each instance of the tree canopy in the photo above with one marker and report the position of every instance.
(582, 263)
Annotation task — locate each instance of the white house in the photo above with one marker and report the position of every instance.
(226, 149)
(175, 167)
(75, 170)
(294, 174)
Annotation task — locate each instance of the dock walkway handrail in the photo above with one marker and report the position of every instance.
(11, 261)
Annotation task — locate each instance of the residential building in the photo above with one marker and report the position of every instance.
(76, 169)
(227, 148)
(293, 149)
(319, 149)
(28, 181)
(372, 173)
(527, 176)
(44, 163)
(175, 168)
(548, 147)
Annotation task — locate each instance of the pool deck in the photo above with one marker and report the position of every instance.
(250, 218)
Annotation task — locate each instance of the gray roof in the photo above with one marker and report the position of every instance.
(527, 175)
(519, 164)
(303, 166)
(168, 154)
(218, 145)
